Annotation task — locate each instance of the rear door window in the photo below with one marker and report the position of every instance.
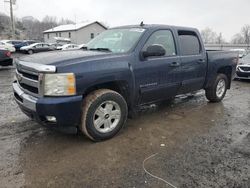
(189, 43)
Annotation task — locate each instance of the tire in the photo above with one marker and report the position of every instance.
(104, 114)
(218, 90)
(30, 52)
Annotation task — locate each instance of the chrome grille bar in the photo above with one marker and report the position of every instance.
(27, 75)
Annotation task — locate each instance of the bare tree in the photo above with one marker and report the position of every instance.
(4, 26)
(245, 31)
(64, 21)
(237, 39)
(29, 27)
(50, 21)
(219, 39)
(243, 37)
(208, 36)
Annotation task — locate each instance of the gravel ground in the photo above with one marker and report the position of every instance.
(196, 144)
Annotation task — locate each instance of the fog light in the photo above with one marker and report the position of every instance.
(51, 119)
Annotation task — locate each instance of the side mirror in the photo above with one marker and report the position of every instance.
(154, 50)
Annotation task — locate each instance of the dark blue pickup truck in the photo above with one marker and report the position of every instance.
(120, 71)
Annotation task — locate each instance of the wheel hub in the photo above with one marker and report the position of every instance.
(107, 116)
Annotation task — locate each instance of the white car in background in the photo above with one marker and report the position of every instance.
(241, 52)
(7, 46)
(82, 46)
(69, 47)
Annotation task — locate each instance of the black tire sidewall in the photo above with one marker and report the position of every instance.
(96, 135)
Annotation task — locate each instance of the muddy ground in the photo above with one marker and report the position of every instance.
(197, 144)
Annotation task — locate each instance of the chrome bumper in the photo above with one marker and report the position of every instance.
(23, 99)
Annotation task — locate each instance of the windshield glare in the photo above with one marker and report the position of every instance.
(116, 40)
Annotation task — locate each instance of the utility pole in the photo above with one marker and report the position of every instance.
(12, 24)
(13, 29)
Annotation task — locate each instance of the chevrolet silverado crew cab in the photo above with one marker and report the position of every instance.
(118, 72)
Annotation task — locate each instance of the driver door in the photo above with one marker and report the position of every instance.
(159, 78)
(37, 48)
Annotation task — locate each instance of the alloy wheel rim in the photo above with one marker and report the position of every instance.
(221, 87)
(107, 116)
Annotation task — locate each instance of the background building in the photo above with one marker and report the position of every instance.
(79, 33)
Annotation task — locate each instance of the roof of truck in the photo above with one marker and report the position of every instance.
(152, 26)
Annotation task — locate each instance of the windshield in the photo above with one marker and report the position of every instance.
(34, 44)
(116, 40)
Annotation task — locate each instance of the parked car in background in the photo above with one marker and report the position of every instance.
(55, 46)
(82, 46)
(242, 52)
(23, 43)
(5, 58)
(35, 48)
(6, 46)
(13, 42)
(69, 47)
(243, 68)
(94, 90)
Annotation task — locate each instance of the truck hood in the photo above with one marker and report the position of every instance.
(62, 58)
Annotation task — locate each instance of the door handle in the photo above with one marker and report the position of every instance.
(175, 64)
(201, 61)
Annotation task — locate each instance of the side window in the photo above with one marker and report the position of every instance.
(164, 38)
(189, 43)
(92, 35)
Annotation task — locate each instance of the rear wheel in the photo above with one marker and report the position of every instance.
(217, 91)
(104, 114)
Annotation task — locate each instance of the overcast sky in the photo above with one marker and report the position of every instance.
(226, 16)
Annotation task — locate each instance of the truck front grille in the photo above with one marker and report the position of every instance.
(28, 75)
(28, 81)
(29, 88)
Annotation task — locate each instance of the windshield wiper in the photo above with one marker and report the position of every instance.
(100, 49)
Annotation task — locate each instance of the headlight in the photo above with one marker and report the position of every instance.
(61, 84)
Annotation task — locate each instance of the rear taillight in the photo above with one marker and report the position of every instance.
(8, 54)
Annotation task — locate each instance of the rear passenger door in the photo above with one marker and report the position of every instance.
(193, 61)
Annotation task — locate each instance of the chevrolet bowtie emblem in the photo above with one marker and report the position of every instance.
(19, 77)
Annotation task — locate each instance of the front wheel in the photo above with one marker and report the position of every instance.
(217, 91)
(30, 52)
(104, 114)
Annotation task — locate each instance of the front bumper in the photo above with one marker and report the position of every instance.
(243, 72)
(66, 110)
